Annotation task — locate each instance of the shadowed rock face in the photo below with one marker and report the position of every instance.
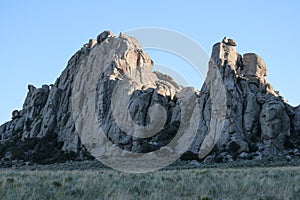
(241, 116)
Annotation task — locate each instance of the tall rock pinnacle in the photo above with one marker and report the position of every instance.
(257, 121)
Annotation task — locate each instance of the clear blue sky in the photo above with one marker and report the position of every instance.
(38, 37)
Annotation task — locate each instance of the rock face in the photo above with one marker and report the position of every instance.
(258, 120)
(122, 58)
(240, 117)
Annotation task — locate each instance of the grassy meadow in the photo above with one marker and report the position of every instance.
(200, 184)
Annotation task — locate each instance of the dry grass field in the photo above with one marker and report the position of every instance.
(214, 183)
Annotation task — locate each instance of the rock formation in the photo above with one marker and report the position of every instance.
(258, 121)
(240, 113)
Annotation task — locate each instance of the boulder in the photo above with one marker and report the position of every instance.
(105, 34)
(15, 114)
(254, 66)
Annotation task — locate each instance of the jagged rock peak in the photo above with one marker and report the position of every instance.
(248, 65)
(47, 111)
(236, 103)
(258, 121)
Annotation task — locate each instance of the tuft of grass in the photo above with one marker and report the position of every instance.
(56, 184)
(69, 179)
(204, 198)
(10, 180)
(199, 184)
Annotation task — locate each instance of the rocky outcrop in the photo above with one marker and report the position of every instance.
(257, 122)
(48, 110)
(125, 71)
(240, 115)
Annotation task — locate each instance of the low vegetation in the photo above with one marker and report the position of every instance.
(44, 150)
(215, 183)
